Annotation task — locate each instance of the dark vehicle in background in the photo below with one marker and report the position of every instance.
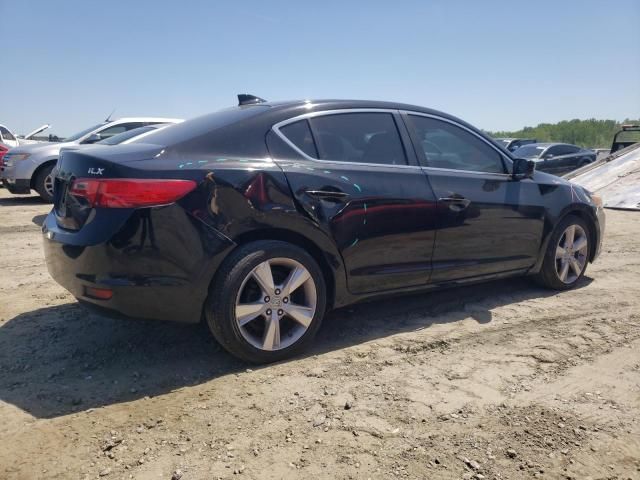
(512, 144)
(556, 158)
(627, 136)
(261, 217)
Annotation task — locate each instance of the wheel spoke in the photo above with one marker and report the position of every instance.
(575, 266)
(302, 315)
(296, 277)
(262, 274)
(564, 270)
(245, 312)
(569, 235)
(560, 251)
(580, 244)
(271, 340)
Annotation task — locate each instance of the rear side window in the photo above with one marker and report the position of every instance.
(358, 137)
(448, 146)
(299, 134)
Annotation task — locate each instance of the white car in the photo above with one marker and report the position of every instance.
(28, 167)
(11, 140)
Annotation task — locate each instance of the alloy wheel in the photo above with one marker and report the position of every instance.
(48, 185)
(276, 304)
(571, 254)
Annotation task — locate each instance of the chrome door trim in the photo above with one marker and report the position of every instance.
(459, 125)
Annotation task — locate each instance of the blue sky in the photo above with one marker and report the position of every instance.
(497, 64)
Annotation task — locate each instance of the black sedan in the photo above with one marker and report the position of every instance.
(261, 217)
(556, 158)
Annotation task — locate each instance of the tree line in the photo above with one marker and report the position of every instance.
(590, 133)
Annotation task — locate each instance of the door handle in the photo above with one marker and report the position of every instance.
(327, 194)
(457, 204)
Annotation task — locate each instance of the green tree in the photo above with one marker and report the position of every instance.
(590, 133)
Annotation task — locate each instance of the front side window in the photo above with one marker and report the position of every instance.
(358, 137)
(448, 146)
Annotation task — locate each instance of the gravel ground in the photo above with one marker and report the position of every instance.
(503, 380)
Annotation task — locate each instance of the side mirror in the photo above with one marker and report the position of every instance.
(93, 138)
(523, 168)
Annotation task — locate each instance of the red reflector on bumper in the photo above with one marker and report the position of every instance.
(98, 293)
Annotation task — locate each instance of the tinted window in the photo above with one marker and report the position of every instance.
(528, 151)
(124, 136)
(300, 134)
(82, 133)
(358, 137)
(567, 149)
(448, 146)
(555, 151)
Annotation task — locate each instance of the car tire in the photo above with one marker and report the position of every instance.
(261, 321)
(567, 255)
(44, 184)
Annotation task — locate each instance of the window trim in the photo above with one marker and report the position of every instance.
(456, 124)
(305, 116)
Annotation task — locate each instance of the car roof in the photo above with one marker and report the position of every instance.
(146, 119)
(291, 108)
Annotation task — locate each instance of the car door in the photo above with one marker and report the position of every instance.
(351, 172)
(552, 160)
(570, 157)
(488, 223)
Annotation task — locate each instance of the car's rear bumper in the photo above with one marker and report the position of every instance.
(165, 277)
(19, 186)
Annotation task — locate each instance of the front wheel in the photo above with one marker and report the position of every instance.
(567, 254)
(267, 301)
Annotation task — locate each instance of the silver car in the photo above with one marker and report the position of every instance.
(28, 167)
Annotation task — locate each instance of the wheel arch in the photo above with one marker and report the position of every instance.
(579, 210)
(39, 168)
(299, 240)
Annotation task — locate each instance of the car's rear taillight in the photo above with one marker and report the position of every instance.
(130, 192)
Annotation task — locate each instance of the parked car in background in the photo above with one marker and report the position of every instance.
(121, 138)
(512, 144)
(556, 158)
(28, 167)
(3, 150)
(11, 140)
(261, 217)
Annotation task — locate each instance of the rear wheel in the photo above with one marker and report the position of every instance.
(44, 184)
(567, 254)
(267, 301)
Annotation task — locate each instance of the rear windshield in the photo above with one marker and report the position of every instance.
(124, 136)
(198, 126)
(82, 133)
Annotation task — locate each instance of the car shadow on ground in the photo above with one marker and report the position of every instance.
(63, 359)
(21, 200)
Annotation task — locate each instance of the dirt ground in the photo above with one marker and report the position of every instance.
(503, 380)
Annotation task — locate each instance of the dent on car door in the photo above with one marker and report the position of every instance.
(488, 223)
(351, 174)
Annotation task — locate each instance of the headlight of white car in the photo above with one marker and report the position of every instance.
(12, 158)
